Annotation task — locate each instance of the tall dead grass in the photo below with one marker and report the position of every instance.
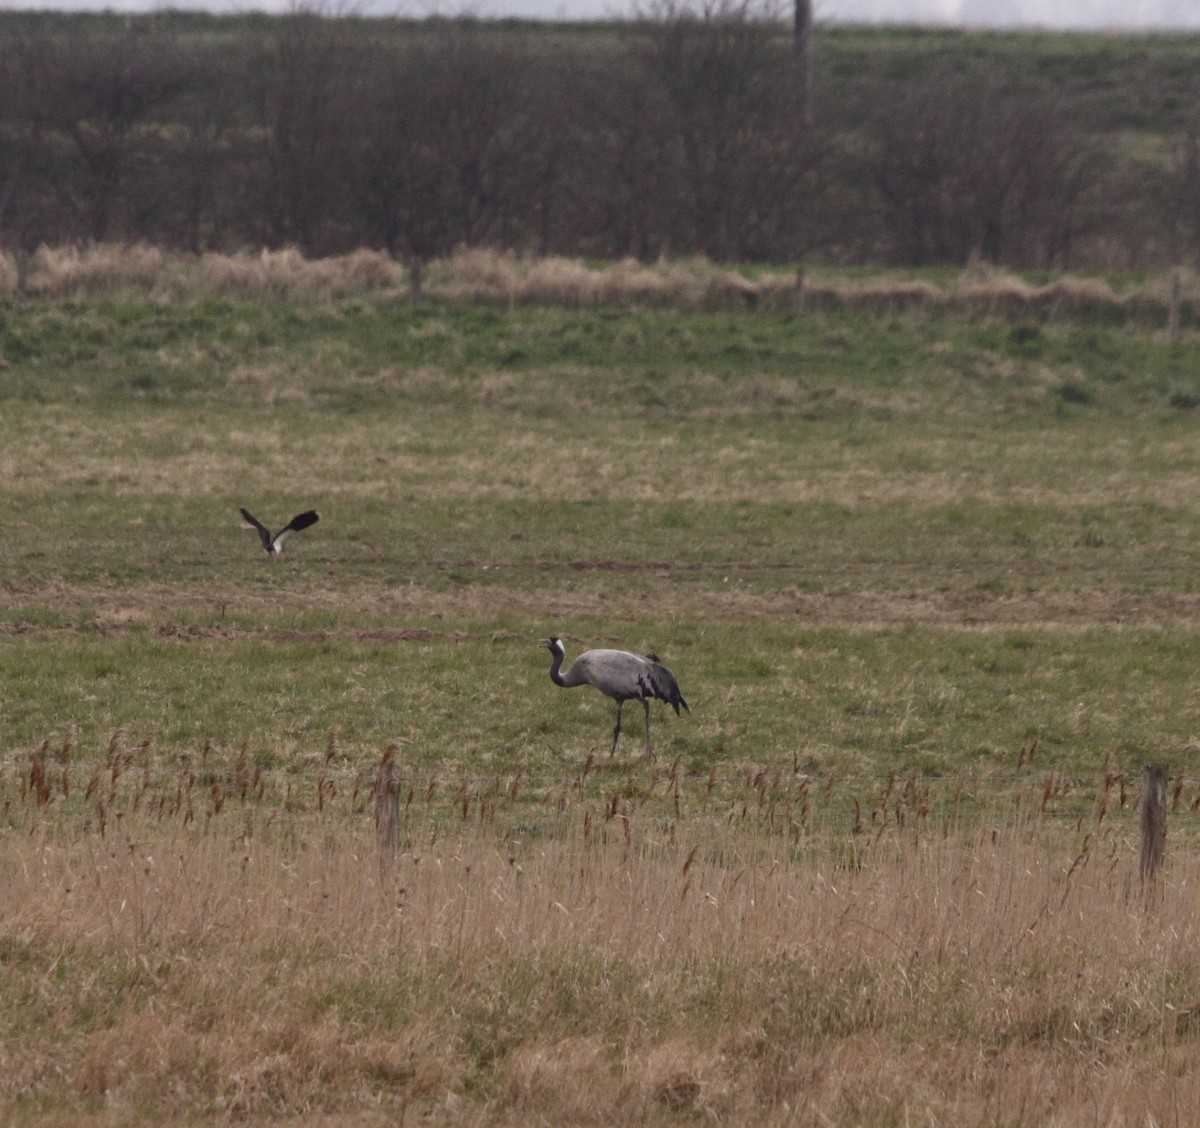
(106, 268)
(482, 275)
(216, 955)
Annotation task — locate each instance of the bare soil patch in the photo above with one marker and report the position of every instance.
(733, 595)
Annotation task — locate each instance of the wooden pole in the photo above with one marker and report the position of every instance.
(802, 91)
(387, 808)
(1152, 816)
(1173, 310)
(23, 260)
(802, 52)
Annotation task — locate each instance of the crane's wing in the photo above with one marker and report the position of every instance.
(661, 683)
(264, 534)
(300, 521)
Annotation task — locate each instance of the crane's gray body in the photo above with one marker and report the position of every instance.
(621, 675)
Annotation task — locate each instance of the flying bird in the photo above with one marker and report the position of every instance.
(620, 675)
(274, 544)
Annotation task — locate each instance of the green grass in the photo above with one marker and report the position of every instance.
(1141, 82)
(365, 357)
(866, 544)
(866, 703)
(931, 612)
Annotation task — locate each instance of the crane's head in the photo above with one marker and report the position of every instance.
(555, 645)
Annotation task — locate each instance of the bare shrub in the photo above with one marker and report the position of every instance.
(715, 99)
(463, 134)
(969, 163)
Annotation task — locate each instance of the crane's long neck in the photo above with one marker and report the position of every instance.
(556, 675)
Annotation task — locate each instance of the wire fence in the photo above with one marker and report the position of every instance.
(135, 779)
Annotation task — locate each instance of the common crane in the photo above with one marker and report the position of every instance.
(620, 675)
(273, 545)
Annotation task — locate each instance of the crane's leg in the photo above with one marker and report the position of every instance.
(617, 731)
(646, 706)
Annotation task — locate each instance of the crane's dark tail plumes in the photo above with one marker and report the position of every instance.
(662, 684)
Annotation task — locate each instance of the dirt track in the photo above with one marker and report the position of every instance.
(413, 614)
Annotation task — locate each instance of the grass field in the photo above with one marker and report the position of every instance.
(1139, 83)
(927, 579)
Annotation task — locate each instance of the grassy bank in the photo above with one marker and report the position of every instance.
(925, 572)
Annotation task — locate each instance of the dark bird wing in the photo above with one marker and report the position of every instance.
(661, 683)
(300, 521)
(264, 534)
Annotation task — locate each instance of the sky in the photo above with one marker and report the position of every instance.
(1124, 15)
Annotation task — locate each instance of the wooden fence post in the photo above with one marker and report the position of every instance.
(387, 808)
(1152, 816)
(24, 261)
(1173, 308)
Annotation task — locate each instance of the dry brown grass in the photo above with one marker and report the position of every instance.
(369, 457)
(216, 954)
(105, 268)
(169, 610)
(288, 273)
(100, 268)
(476, 274)
(692, 283)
